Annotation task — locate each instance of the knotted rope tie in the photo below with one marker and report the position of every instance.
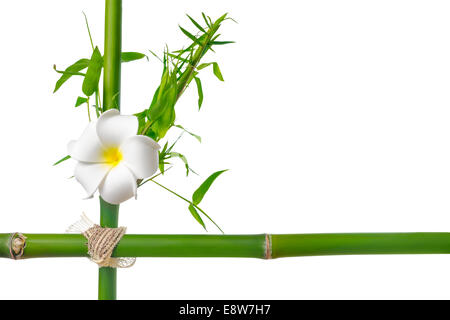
(101, 243)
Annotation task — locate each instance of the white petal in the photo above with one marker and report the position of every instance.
(88, 147)
(71, 146)
(91, 175)
(119, 185)
(140, 154)
(113, 128)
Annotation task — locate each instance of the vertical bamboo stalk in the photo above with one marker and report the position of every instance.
(107, 277)
(113, 50)
(109, 214)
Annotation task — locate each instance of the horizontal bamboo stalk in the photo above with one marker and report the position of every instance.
(261, 246)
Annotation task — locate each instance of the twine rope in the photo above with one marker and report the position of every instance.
(101, 243)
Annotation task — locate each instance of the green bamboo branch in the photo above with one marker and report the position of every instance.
(263, 246)
(187, 76)
(174, 63)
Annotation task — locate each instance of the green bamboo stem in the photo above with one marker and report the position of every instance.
(107, 277)
(109, 214)
(113, 50)
(237, 246)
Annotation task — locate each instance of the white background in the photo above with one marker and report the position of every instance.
(333, 117)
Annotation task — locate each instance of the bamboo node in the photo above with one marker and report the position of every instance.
(268, 247)
(101, 243)
(17, 244)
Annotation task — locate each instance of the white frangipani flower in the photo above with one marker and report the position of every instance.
(112, 157)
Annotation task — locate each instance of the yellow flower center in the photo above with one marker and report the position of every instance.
(112, 156)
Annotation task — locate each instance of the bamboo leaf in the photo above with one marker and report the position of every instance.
(219, 21)
(80, 101)
(71, 70)
(215, 37)
(200, 92)
(221, 42)
(164, 122)
(183, 158)
(164, 82)
(141, 116)
(204, 65)
(192, 134)
(183, 198)
(164, 148)
(196, 24)
(229, 18)
(90, 83)
(217, 72)
(161, 166)
(162, 110)
(163, 156)
(132, 56)
(198, 195)
(88, 30)
(178, 58)
(174, 143)
(210, 21)
(190, 36)
(196, 216)
(206, 20)
(155, 55)
(209, 47)
(61, 160)
(69, 73)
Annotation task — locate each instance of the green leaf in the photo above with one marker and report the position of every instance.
(161, 166)
(229, 18)
(192, 134)
(178, 58)
(80, 101)
(198, 195)
(221, 42)
(210, 22)
(183, 158)
(200, 92)
(204, 65)
(196, 24)
(61, 160)
(88, 30)
(162, 156)
(217, 72)
(141, 116)
(215, 37)
(206, 20)
(162, 104)
(196, 216)
(164, 81)
(132, 56)
(71, 70)
(162, 109)
(163, 124)
(174, 143)
(165, 147)
(190, 36)
(219, 21)
(155, 55)
(183, 198)
(90, 83)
